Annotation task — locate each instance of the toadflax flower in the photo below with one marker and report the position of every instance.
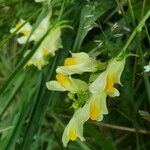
(74, 129)
(47, 48)
(114, 70)
(94, 107)
(42, 28)
(78, 64)
(26, 30)
(109, 77)
(65, 83)
(97, 106)
(97, 100)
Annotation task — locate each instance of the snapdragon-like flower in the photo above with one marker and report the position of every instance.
(94, 107)
(65, 83)
(26, 29)
(74, 129)
(103, 86)
(98, 98)
(114, 71)
(107, 79)
(97, 106)
(78, 63)
(42, 28)
(47, 48)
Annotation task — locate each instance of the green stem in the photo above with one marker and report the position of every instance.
(131, 12)
(136, 30)
(148, 37)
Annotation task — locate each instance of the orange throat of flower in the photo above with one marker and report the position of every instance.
(70, 61)
(63, 80)
(45, 52)
(110, 81)
(26, 33)
(72, 135)
(94, 111)
(18, 25)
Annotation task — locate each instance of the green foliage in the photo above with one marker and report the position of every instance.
(32, 117)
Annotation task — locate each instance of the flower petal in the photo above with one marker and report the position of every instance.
(114, 93)
(22, 40)
(116, 67)
(42, 28)
(98, 106)
(78, 64)
(78, 84)
(74, 129)
(99, 84)
(54, 86)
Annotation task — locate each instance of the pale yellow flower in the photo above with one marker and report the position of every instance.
(65, 83)
(107, 79)
(74, 129)
(97, 100)
(103, 86)
(50, 44)
(114, 71)
(25, 31)
(78, 64)
(97, 106)
(27, 28)
(42, 28)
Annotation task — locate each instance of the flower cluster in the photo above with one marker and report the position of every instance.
(93, 104)
(48, 46)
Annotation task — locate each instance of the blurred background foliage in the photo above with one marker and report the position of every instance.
(33, 117)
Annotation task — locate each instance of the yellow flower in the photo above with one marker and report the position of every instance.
(65, 83)
(103, 86)
(45, 52)
(78, 64)
(49, 45)
(114, 70)
(27, 28)
(37, 59)
(106, 80)
(97, 101)
(42, 28)
(25, 31)
(52, 42)
(97, 106)
(74, 129)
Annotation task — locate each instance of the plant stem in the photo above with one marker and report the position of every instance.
(136, 30)
(142, 131)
